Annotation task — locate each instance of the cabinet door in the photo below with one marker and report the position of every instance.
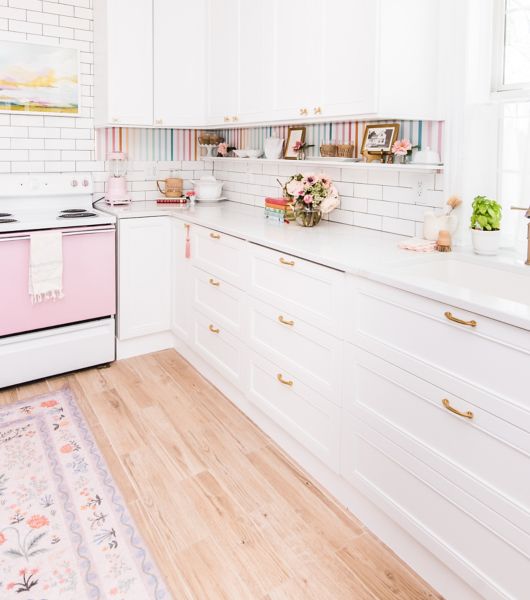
(256, 61)
(130, 61)
(223, 61)
(349, 56)
(180, 281)
(179, 64)
(144, 276)
(296, 45)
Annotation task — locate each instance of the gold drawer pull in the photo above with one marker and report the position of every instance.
(450, 316)
(213, 282)
(215, 236)
(284, 322)
(284, 381)
(467, 415)
(213, 329)
(289, 263)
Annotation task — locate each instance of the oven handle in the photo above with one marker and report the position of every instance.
(25, 236)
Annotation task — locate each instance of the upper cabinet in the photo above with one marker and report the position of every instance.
(123, 62)
(179, 63)
(222, 90)
(242, 62)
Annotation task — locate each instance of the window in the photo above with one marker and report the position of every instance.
(513, 54)
(513, 83)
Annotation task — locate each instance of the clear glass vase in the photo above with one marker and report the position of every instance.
(308, 217)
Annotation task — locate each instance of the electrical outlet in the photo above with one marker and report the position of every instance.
(151, 171)
(419, 189)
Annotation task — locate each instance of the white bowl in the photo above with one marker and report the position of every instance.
(254, 153)
(241, 153)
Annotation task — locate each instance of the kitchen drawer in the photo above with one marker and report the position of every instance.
(306, 290)
(450, 523)
(221, 301)
(484, 455)
(306, 351)
(221, 349)
(302, 412)
(222, 255)
(491, 355)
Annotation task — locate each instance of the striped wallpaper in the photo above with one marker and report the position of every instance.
(182, 144)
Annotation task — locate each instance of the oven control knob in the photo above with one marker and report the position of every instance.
(74, 183)
(85, 182)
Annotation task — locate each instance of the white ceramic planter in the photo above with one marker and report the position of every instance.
(485, 242)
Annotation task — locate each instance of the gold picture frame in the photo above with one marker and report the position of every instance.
(378, 139)
(294, 134)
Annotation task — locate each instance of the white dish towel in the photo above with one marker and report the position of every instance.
(45, 266)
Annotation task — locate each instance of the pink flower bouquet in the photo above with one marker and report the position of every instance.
(311, 192)
(402, 147)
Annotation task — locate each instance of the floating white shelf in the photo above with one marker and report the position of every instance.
(335, 164)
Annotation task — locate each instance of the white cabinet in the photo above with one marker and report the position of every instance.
(180, 280)
(179, 63)
(256, 53)
(348, 62)
(123, 62)
(296, 43)
(222, 90)
(144, 276)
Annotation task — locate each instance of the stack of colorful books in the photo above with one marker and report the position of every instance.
(275, 209)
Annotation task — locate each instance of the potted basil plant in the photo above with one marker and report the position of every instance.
(485, 225)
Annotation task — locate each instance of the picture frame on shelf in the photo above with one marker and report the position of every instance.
(378, 140)
(294, 135)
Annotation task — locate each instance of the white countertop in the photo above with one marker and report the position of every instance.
(367, 253)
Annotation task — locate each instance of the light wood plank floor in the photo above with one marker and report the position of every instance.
(226, 514)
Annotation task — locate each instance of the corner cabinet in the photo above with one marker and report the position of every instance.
(144, 276)
(123, 62)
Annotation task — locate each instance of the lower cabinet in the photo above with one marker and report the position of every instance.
(410, 422)
(303, 413)
(220, 348)
(144, 276)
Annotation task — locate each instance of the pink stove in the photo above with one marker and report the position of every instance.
(77, 330)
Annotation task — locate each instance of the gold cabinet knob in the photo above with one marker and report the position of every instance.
(303, 112)
(283, 381)
(467, 415)
(213, 329)
(226, 119)
(215, 236)
(449, 315)
(214, 283)
(317, 110)
(289, 263)
(235, 119)
(159, 122)
(283, 321)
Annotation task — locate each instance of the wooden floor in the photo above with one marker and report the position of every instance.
(225, 513)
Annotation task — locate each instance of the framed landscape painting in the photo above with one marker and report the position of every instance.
(38, 79)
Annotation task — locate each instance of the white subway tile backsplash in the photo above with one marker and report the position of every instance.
(354, 175)
(415, 179)
(58, 9)
(399, 226)
(29, 4)
(389, 177)
(367, 221)
(374, 192)
(380, 207)
(412, 212)
(24, 26)
(399, 194)
(354, 204)
(42, 17)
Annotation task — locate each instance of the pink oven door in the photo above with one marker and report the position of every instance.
(89, 281)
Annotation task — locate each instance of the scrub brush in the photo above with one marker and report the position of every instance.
(452, 203)
(443, 243)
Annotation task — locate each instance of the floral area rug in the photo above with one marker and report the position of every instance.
(64, 530)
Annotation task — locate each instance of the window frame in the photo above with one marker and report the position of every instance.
(499, 90)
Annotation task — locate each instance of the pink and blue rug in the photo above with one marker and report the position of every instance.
(65, 532)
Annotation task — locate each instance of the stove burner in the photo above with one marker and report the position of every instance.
(5, 215)
(76, 215)
(3, 220)
(74, 210)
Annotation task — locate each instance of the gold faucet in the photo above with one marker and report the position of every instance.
(527, 215)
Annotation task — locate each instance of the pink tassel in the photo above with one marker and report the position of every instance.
(187, 252)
